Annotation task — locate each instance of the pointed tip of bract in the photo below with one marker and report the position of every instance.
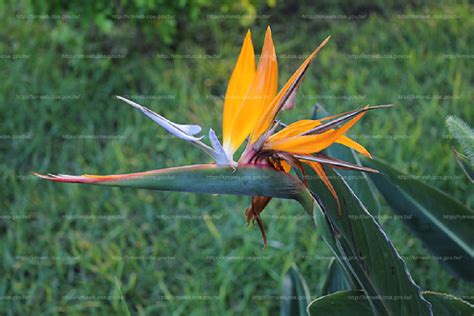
(42, 176)
(120, 98)
(268, 33)
(49, 176)
(129, 102)
(326, 40)
(323, 43)
(268, 46)
(247, 44)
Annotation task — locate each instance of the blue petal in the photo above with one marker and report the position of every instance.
(178, 130)
(189, 129)
(219, 153)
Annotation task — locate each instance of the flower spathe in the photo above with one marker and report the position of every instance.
(251, 106)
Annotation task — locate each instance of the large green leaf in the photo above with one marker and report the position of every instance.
(436, 218)
(357, 181)
(361, 246)
(295, 294)
(354, 303)
(351, 303)
(448, 305)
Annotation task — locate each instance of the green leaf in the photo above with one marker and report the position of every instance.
(336, 279)
(295, 294)
(354, 303)
(436, 218)
(126, 310)
(362, 247)
(357, 181)
(351, 303)
(448, 305)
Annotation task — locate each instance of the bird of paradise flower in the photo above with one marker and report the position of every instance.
(251, 107)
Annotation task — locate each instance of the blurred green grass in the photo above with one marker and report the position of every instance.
(193, 254)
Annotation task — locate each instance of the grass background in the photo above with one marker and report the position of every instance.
(76, 249)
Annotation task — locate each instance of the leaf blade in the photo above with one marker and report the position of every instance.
(433, 216)
(353, 303)
(336, 279)
(295, 294)
(364, 249)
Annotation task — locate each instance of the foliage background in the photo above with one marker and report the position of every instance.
(75, 249)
